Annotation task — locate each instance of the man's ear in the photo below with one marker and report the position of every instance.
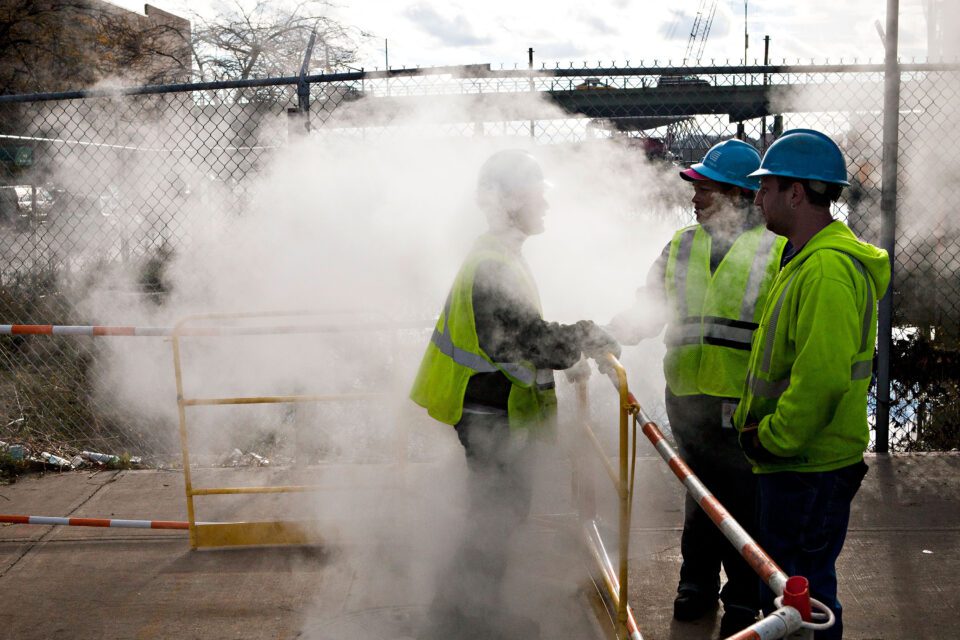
(797, 194)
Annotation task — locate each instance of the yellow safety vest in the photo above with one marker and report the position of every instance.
(714, 315)
(454, 354)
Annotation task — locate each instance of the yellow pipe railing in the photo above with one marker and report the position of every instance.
(223, 491)
(241, 533)
(221, 534)
(617, 582)
(197, 402)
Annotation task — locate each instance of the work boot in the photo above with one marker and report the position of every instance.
(736, 619)
(692, 605)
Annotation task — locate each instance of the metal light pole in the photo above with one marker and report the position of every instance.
(888, 219)
(746, 34)
(533, 129)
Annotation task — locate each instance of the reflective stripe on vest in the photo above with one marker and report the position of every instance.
(680, 271)
(758, 268)
(774, 389)
(686, 331)
(859, 370)
(543, 378)
(715, 310)
(723, 332)
(757, 271)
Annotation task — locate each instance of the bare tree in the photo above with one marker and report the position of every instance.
(260, 39)
(53, 45)
(34, 51)
(150, 50)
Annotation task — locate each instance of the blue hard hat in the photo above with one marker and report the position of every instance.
(730, 162)
(804, 154)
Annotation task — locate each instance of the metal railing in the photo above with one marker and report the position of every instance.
(796, 610)
(218, 534)
(615, 580)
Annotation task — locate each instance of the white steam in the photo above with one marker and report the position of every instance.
(363, 225)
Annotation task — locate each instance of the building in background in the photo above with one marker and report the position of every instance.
(65, 45)
(58, 45)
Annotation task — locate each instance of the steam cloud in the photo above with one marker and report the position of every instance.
(363, 224)
(369, 224)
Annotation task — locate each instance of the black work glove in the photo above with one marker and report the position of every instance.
(750, 443)
(597, 343)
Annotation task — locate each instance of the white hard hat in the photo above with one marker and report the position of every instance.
(507, 173)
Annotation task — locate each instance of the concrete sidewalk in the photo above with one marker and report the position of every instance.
(901, 554)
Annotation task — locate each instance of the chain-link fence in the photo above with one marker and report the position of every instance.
(89, 180)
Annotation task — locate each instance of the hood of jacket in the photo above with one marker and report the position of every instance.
(838, 237)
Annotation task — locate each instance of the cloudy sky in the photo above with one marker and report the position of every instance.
(499, 32)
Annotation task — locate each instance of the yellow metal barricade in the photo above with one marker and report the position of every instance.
(779, 624)
(219, 534)
(621, 475)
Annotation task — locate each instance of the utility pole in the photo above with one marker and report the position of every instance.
(763, 120)
(386, 61)
(746, 35)
(888, 218)
(532, 87)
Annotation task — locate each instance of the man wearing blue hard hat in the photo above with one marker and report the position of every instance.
(802, 416)
(708, 288)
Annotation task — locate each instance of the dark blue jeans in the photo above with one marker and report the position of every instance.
(802, 523)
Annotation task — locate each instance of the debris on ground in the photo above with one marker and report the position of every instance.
(238, 458)
(103, 458)
(16, 458)
(55, 460)
(13, 451)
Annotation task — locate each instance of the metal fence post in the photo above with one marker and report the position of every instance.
(763, 120)
(888, 220)
(303, 87)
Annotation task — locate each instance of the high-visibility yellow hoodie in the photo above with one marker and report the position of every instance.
(810, 362)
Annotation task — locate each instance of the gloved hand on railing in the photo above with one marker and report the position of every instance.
(597, 343)
(750, 443)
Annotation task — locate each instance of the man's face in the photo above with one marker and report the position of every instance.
(527, 209)
(775, 206)
(709, 198)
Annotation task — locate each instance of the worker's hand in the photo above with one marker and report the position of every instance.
(579, 372)
(625, 328)
(750, 443)
(597, 343)
(644, 319)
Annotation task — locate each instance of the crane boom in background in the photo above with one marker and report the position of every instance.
(700, 31)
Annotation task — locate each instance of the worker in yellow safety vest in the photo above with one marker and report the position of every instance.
(488, 372)
(803, 414)
(708, 287)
